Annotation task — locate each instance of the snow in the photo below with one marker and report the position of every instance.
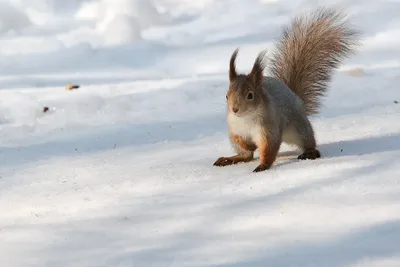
(119, 172)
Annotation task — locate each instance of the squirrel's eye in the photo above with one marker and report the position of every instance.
(250, 96)
(226, 97)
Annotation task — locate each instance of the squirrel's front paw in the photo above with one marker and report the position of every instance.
(261, 167)
(223, 161)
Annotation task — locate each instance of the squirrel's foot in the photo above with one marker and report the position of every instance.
(261, 167)
(224, 161)
(310, 154)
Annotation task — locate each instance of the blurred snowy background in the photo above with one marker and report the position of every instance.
(119, 172)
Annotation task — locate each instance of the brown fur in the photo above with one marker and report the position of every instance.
(226, 161)
(257, 73)
(244, 144)
(311, 47)
(268, 153)
(232, 67)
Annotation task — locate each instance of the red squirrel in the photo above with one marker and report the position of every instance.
(264, 111)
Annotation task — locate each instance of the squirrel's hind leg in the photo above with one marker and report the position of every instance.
(301, 134)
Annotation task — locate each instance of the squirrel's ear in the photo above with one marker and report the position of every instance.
(257, 73)
(232, 66)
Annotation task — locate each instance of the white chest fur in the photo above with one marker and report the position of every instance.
(245, 127)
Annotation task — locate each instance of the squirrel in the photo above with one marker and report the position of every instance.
(264, 111)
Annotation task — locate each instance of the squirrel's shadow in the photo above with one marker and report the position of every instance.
(363, 146)
(283, 158)
(357, 147)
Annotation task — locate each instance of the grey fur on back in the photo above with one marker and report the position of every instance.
(282, 101)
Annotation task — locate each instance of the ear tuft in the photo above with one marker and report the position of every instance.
(257, 73)
(232, 65)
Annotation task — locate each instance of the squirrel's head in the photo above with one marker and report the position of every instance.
(245, 91)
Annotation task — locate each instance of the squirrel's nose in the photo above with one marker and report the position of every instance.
(235, 110)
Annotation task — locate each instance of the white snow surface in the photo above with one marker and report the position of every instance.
(119, 172)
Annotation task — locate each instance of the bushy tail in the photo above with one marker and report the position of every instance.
(311, 47)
